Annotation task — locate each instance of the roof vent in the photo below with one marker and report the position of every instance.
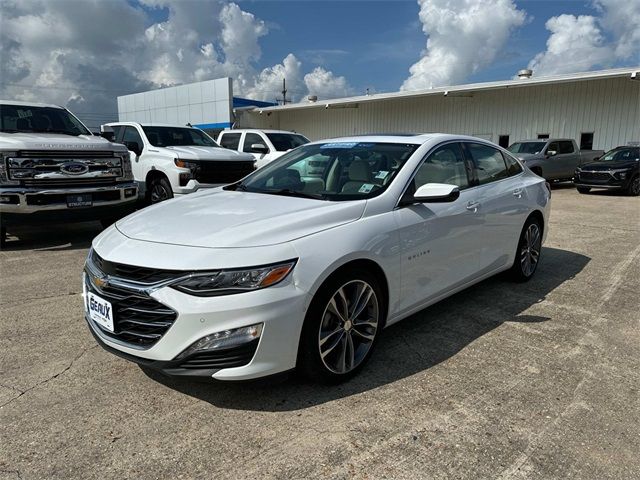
(312, 98)
(525, 73)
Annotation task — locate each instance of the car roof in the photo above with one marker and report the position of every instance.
(240, 130)
(545, 140)
(414, 138)
(16, 103)
(150, 124)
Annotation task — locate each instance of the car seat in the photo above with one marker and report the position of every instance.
(359, 173)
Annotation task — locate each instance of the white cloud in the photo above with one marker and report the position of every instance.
(464, 36)
(586, 42)
(575, 44)
(325, 84)
(85, 55)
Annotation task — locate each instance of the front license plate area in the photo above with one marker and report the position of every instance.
(100, 311)
(79, 200)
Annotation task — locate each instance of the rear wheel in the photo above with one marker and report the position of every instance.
(159, 190)
(528, 252)
(634, 186)
(584, 189)
(3, 236)
(342, 326)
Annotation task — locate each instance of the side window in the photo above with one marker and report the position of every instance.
(117, 133)
(444, 165)
(488, 162)
(566, 147)
(132, 135)
(513, 167)
(555, 147)
(230, 140)
(250, 139)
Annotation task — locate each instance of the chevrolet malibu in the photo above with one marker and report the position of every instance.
(285, 270)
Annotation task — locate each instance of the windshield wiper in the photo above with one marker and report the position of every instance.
(292, 193)
(63, 132)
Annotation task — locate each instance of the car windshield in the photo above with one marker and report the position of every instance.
(621, 154)
(331, 171)
(527, 147)
(286, 141)
(177, 137)
(32, 119)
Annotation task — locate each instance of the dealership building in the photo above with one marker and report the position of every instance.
(599, 109)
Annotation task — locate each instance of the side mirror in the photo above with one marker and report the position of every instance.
(106, 131)
(551, 153)
(436, 193)
(134, 147)
(259, 148)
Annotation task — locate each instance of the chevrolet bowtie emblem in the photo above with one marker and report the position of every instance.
(100, 282)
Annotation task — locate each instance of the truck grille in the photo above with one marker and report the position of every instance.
(138, 319)
(223, 172)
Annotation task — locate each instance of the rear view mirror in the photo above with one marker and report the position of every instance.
(106, 131)
(259, 148)
(436, 193)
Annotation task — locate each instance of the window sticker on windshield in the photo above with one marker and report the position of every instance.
(366, 188)
(25, 113)
(382, 174)
(339, 145)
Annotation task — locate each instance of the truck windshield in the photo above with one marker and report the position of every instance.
(286, 141)
(32, 119)
(330, 171)
(177, 137)
(527, 147)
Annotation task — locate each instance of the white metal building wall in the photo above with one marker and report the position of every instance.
(610, 108)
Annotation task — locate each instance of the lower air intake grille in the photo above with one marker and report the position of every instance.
(227, 358)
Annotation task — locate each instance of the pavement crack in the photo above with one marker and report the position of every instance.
(52, 377)
(17, 472)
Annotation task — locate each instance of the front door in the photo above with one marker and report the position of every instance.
(439, 242)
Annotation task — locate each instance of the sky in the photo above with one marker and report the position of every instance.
(84, 53)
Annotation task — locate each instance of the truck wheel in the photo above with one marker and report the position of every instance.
(159, 190)
(634, 186)
(3, 236)
(584, 189)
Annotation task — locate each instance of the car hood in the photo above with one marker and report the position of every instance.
(222, 219)
(55, 141)
(610, 165)
(208, 153)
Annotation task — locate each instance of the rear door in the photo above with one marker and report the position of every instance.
(567, 159)
(440, 242)
(230, 140)
(502, 198)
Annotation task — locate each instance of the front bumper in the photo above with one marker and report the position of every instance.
(280, 309)
(608, 179)
(42, 202)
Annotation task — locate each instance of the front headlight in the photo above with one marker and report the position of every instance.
(4, 172)
(227, 282)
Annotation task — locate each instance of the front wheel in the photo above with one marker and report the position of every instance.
(584, 189)
(159, 190)
(634, 186)
(342, 326)
(528, 252)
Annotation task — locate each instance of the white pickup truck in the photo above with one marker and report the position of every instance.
(53, 169)
(264, 145)
(170, 160)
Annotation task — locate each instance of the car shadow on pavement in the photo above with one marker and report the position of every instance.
(61, 236)
(419, 342)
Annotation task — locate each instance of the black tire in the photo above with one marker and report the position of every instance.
(584, 189)
(528, 252)
(107, 222)
(158, 190)
(311, 362)
(3, 236)
(634, 186)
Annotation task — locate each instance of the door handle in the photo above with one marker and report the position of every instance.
(473, 206)
(517, 193)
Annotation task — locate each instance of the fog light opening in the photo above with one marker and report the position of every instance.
(224, 339)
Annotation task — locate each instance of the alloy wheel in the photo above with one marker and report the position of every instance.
(348, 327)
(158, 193)
(530, 249)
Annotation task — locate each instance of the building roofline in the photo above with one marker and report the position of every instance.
(633, 72)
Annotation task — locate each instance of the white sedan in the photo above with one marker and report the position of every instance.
(287, 269)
